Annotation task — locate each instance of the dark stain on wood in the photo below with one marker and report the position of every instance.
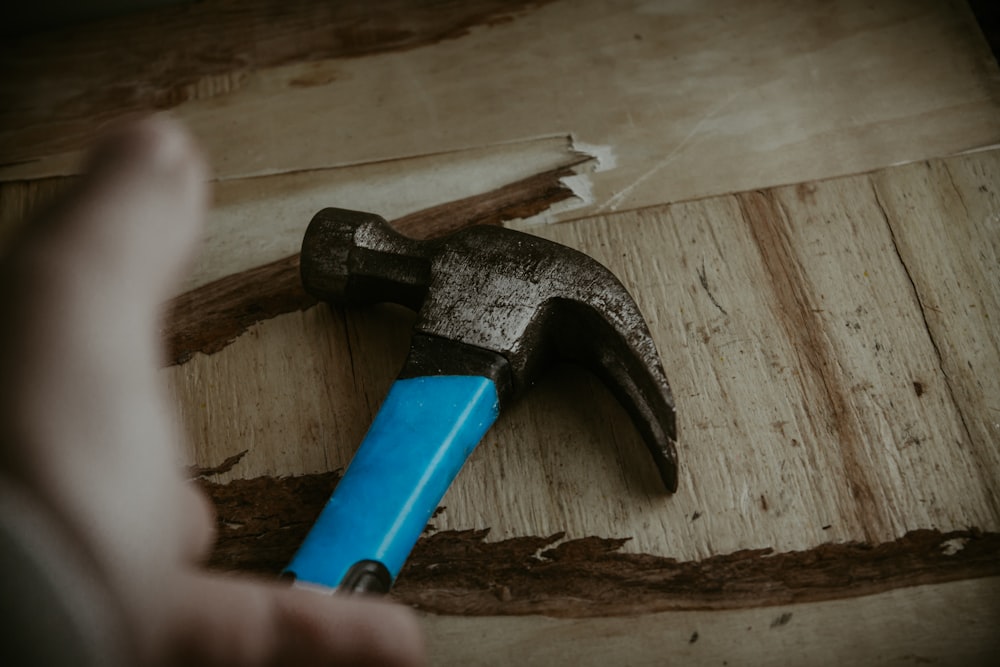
(67, 83)
(781, 620)
(210, 317)
(821, 380)
(262, 521)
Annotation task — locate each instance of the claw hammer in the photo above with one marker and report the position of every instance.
(495, 307)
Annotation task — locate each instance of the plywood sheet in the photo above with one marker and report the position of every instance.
(686, 99)
(817, 400)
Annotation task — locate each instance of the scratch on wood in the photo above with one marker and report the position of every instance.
(703, 279)
(262, 521)
(615, 201)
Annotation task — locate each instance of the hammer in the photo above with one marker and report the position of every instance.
(495, 307)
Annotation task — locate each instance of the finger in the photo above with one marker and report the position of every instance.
(199, 532)
(231, 621)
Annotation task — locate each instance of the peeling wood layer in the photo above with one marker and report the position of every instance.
(458, 573)
(208, 318)
(262, 521)
(194, 472)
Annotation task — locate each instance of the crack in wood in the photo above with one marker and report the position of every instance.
(918, 387)
(703, 279)
(263, 520)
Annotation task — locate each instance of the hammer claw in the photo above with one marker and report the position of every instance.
(615, 344)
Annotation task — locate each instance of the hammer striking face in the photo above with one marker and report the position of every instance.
(494, 308)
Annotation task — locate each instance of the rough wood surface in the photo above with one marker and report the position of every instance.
(836, 393)
(814, 402)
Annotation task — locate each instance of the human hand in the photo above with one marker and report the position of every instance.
(88, 443)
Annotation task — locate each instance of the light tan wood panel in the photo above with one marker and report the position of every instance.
(945, 218)
(812, 405)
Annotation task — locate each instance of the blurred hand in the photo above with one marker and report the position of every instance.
(86, 431)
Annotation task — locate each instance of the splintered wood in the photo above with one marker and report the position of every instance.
(830, 346)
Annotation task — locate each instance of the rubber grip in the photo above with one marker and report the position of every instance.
(426, 429)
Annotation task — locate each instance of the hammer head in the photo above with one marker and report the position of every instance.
(506, 299)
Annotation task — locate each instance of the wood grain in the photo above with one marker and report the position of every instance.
(21, 201)
(795, 342)
(954, 270)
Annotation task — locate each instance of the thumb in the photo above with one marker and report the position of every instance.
(83, 419)
(225, 620)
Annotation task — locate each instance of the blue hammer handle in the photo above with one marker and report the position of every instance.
(424, 432)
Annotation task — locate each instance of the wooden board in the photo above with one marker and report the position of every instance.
(800, 329)
(836, 402)
(832, 343)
